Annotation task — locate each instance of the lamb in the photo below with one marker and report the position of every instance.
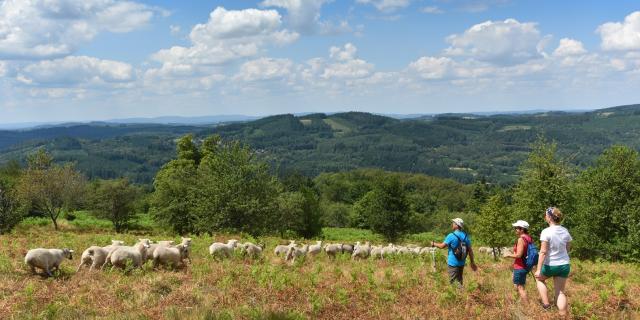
(136, 255)
(376, 252)
(254, 251)
(315, 248)
(95, 256)
(282, 249)
(170, 256)
(222, 250)
(47, 259)
(361, 251)
(333, 249)
(295, 252)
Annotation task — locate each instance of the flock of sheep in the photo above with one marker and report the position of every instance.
(168, 254)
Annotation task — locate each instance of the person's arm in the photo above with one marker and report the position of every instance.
(440, 245)
(542, 255)
(519, 250)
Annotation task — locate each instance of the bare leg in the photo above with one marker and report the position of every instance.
(522, 292)
(559, 285)
(542, 289)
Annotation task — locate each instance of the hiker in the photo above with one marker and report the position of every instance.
(459, 246)
(554, 260)
(520, 270)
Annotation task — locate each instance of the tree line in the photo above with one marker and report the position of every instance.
(216, 185)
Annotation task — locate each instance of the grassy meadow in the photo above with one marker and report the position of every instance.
(316, 288)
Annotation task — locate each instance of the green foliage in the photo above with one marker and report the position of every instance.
(607, 218)
(187, 149)
(544, 182)
(492, 225)
(9, 213)
(115, 200)
(385, 209)
(173, 200)
(50, 188)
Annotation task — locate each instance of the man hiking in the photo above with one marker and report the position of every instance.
(459, 246)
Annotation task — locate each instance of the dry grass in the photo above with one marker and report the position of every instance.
(401, 288)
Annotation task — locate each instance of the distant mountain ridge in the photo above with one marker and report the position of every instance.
(459, 146)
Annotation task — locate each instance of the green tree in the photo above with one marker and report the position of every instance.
(607, 218)
(187, 149)
(9, 213)
(50, 188)
(115, 200)
(386, 208)
(172, 203)
(493, 224)
(544, 182)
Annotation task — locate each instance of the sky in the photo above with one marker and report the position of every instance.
(81, 60)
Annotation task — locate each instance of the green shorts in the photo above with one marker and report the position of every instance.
(556, 271)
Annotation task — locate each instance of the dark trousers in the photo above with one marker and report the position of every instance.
(455, 274)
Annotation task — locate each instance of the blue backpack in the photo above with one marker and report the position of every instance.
(531, 259)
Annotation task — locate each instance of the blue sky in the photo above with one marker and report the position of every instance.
(65, 60)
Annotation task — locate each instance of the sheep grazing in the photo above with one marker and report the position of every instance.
(223, 250)
(283, 249)
(46, 259)
(95, 256)
(122, 255)
(402, 250)
(314, 249)
(389, 250)
(171, 257)
(361, 251)
(295, 252)
(333, 249)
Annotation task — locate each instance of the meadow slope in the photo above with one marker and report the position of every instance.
(239, 288)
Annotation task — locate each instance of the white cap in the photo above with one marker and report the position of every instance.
(459, 222)
(522, 224)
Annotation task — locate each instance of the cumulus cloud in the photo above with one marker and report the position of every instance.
(386, 5)
(76, 70)
(569, 47)
(432, 67)
(346, 64)
(304, 16)
(227, 36)
(505, 42)
(621, 35)
(265, 69)
(43, 29)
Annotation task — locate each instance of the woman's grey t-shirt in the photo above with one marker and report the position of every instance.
(557, 237)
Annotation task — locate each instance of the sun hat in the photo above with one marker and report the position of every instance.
(521, 223)
(458, 222)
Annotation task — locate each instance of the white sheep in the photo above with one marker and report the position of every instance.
(252, 250)
(402, 250)
(122, 255)
(348, 248)
(46, 259)
(170, 256)
(333, 249)
(389, 250)
(222, 250)
(295, 252)
(283, 249)
(376, 252)
(95, 256)
(361, 251)
(314, 249)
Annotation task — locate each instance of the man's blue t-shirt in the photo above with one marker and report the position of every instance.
(452, 242)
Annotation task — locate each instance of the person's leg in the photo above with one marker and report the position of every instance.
(522, 292)
(542, 290)
(559, 284)
(460, 271)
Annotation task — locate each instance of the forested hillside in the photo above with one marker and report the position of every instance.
(462, 147)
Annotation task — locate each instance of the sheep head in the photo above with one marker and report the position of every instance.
(68, 253)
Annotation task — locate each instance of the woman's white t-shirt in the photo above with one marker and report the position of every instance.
(557, 237)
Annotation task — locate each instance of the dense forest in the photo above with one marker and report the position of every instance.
(464, 147)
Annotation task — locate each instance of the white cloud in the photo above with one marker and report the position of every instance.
(431, 10)
(3, 68)
(227, 36)
(621, 36)
(42, 29)
(386, 5)
(432, 67)
(343, 54)
(569, 47)
(175, 30)
(346, 64)
(265, 69)
(304, 16)
(76, 71)
(505, 42)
